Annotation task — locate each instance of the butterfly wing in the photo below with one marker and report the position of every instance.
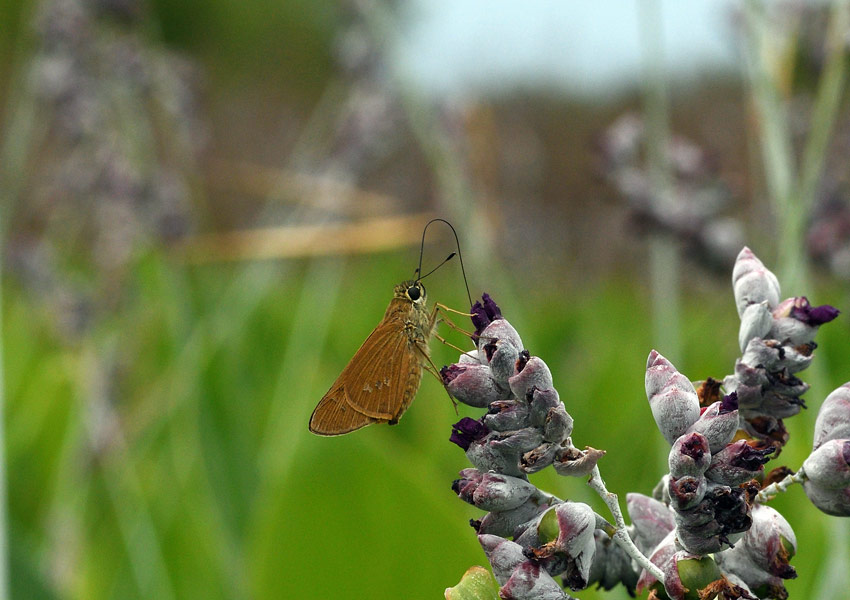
(376, 386)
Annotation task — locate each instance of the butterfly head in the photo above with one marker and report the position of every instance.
(412, 291)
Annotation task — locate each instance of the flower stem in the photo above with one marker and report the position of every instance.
(621, 536)
(774, 489)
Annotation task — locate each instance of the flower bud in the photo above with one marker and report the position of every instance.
(652, 520)
(752, 282)
(738, 462)
(689, 456)
(492, 491)
(761, 558)
(686, 492)
(507, 415)
(498, 330)
(671, 396)
(539, 458)
(504, 556)
(568, 529)
(731, 508)
(572, 462)
(829, 465)
(558, 425)
(471, 384)
(755, 323)
(502, 357)
(539, 403)
(719, 422)
(534, 374)
(833, 420)
(501, 451)
(530, 582)
(509, 523)
(832, 501)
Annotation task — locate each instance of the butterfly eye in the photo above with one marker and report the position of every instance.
(413, 293)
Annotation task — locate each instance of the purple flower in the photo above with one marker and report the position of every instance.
(466, 431)
(800, 309)
(739, 462)
(484, 312)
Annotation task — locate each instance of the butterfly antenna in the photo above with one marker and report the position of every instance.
(459, 255)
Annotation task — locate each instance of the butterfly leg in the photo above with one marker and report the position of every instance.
(429, 366)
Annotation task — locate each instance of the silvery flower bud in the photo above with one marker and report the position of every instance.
(539, 458)
(507, 415)
(652, 520)
(752, 282)
(568, 529)
(530, 582)
(761, 558)
(773, 356)
(689, 455)
(499, 330)
(739, 462)
(540, 403)
(471, 384)
(501, 451)
(572, 462)
(719, 422)
(492, 491)
(558, 425)
(731, 508)
(534, 373)
(671, 396)
(504, 556)
(828, 471)
(755, 323)
(509, 523)
(501, 356)
(829, 465)
(687, 491)
(832, 501)
(833, 420)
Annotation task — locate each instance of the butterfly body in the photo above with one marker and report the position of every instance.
(380, 381)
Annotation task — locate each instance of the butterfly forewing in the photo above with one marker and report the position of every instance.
(376, 386)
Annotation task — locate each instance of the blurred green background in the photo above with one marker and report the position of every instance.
(206, 206)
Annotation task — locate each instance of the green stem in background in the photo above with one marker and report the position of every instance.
(776, 150)
(663, 253)
(823, 118)
(793, 192)
(4, 499)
